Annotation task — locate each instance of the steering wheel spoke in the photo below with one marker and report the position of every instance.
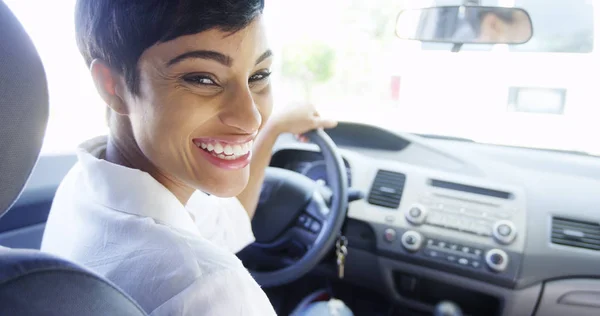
(317, 207)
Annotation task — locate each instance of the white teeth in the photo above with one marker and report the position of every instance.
(237, 150)
(227, 151)
(218, 148)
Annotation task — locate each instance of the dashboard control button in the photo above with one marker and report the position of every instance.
(463, 261)
(475, 264)
(476, 252)
(390, 218)
(432, 253)
(435, 218)
(389, 235)
(412, 240)
(315, 227)
(430, 242)
(416, 214)
(465, 249)
(441, 244)
(307, 222)
(451, 258)
(504, 232)
(496, 260)
(301, 219)
(482, 230)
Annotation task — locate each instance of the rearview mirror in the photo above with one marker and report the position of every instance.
(465, 25)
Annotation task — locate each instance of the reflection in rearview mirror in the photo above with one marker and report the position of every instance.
(465, 25)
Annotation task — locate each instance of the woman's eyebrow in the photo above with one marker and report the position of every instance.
(213, 55)
(268, 53)
(203, 54)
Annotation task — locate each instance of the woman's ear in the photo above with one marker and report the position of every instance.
(108, 83)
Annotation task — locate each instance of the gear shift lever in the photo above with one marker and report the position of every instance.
(447, 308)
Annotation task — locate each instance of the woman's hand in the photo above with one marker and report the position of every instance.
(299, 119)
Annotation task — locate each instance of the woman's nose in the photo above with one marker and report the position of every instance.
(241, 112)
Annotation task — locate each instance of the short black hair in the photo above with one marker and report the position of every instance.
(119, 31)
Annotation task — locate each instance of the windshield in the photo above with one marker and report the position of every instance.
(343, 56)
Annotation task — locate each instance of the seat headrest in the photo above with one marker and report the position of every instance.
(23, 107)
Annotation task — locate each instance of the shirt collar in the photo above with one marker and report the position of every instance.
(129, 190)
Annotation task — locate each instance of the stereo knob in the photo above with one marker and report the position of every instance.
(504, 232)
(416, 214)
(496, 260)
(412, 240)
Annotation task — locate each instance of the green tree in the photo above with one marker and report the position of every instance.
(310, 62)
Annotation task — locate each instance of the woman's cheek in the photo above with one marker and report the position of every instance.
(264, 103)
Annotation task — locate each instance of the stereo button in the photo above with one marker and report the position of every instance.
(463, 261)
(504, 232)
(496, 260)
(389, 235)
(435, 218)
(432, 253)
(416, 214)
(411, 240)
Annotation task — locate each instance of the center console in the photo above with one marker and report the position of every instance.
(459, 224)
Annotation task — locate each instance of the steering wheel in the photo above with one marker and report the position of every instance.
(295, 210)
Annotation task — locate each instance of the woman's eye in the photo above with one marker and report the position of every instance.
(259, 76)
(200, 80)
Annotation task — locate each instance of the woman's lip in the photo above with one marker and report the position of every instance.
(234, 164)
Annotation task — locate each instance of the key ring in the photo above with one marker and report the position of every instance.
(342, 241)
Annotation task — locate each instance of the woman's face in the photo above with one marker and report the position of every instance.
(202, 100)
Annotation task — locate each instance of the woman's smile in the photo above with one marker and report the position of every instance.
(228, 154)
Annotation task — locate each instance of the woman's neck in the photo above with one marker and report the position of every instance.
(122, 149)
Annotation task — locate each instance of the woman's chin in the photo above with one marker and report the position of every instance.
(226, 185)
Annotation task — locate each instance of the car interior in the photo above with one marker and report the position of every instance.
(389, 221)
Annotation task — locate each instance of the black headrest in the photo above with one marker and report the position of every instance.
(23, 107)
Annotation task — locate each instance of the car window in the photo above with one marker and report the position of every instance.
(344, 57)
(76, 110)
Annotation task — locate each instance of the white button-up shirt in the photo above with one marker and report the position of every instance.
(126, 226)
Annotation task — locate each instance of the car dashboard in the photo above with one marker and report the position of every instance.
(497, 230)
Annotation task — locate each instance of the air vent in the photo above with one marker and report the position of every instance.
(387, 189)
(574, 233)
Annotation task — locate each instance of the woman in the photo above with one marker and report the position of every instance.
(161, 205)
